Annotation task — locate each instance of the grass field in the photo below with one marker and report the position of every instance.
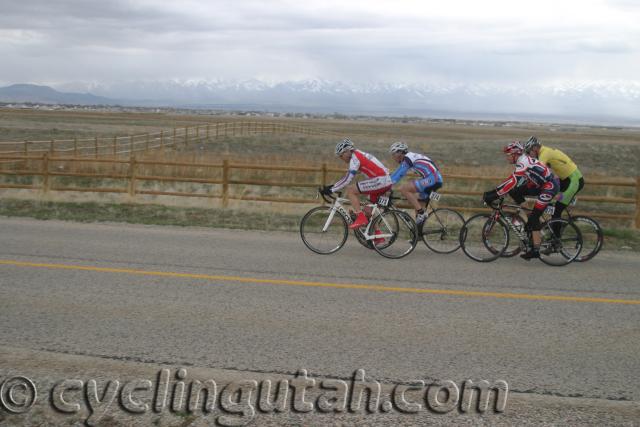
(459, 147)
(597, 150)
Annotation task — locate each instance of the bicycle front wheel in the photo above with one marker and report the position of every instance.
(592, 237)
(396, 234)
(514, 247)
(441, 231)
(484, 239)
(323, 230)
(560, 242)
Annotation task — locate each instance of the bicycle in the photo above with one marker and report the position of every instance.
(440, 231)
(390, 232)
(485, 237)
(591, 232)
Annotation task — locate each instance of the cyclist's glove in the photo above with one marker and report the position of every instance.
(490, 196)
(326, 190)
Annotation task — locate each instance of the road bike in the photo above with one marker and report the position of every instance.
(590, 230)
(485, 237)
(440, 232)
(390, 232)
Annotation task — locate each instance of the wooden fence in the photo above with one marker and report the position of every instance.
(225, 180)
(167, 139)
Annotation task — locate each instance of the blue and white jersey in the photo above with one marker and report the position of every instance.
(422, 165)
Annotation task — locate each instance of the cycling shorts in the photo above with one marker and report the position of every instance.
(375, 187)
(570, 186)
(426, 185)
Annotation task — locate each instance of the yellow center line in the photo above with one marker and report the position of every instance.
(380, 288)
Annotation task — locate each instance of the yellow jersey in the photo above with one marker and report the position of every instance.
(559, 162)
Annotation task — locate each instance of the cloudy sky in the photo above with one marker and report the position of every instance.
(446, 41)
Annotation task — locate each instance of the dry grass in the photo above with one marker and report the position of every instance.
(458, 147)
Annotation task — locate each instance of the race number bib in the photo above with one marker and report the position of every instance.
(434, 196)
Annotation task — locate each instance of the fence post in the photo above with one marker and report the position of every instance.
(115, 145)
(130, 143)
(45, 172)
(51, 147)
(208, 131)
(186, 136)
(96, 143)
(638, 202)
(217, 130)
(174, 138)
(75, 147)
(225, 183)
(146, 143)
(132, 175)
(26, 148)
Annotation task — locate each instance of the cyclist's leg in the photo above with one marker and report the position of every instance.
(546, 194)
(425, 196)
(353, 193)
(518, 193)
(568, 189)
(422, 189)
(409, 191)
(373, 187)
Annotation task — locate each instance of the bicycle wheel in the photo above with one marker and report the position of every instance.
(514, 246)
(323, 230)
(396, 234)
(558, 249)
(484, 239)
(592, 237)
(441, 230)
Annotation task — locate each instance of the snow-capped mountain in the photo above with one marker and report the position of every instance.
(605, 99)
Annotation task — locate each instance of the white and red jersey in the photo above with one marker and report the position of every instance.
(529, 171)
(364, 163)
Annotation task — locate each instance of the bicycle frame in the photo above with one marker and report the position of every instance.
(338, 207)
(498, 213)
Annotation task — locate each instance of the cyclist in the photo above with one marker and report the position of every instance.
(418, 191)
(530, 178)
(378, 182)
(571, 180)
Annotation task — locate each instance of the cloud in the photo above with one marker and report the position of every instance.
(400, 41)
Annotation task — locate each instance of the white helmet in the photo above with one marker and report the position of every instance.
(343, 146)
(399, 147)
(531, 143)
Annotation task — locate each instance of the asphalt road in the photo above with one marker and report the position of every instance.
(261, 302)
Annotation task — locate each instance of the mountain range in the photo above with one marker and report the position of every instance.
(598, 102)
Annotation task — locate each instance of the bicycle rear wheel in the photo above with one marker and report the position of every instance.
(592, 237)
(323, 230)
(559, 248)
(441, 231)
(484, 239)
(396, 234)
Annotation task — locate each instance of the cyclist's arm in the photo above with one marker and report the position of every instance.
(507, 185)
(354, 167)
(399, 173)
(344, 181)
(516, 179)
